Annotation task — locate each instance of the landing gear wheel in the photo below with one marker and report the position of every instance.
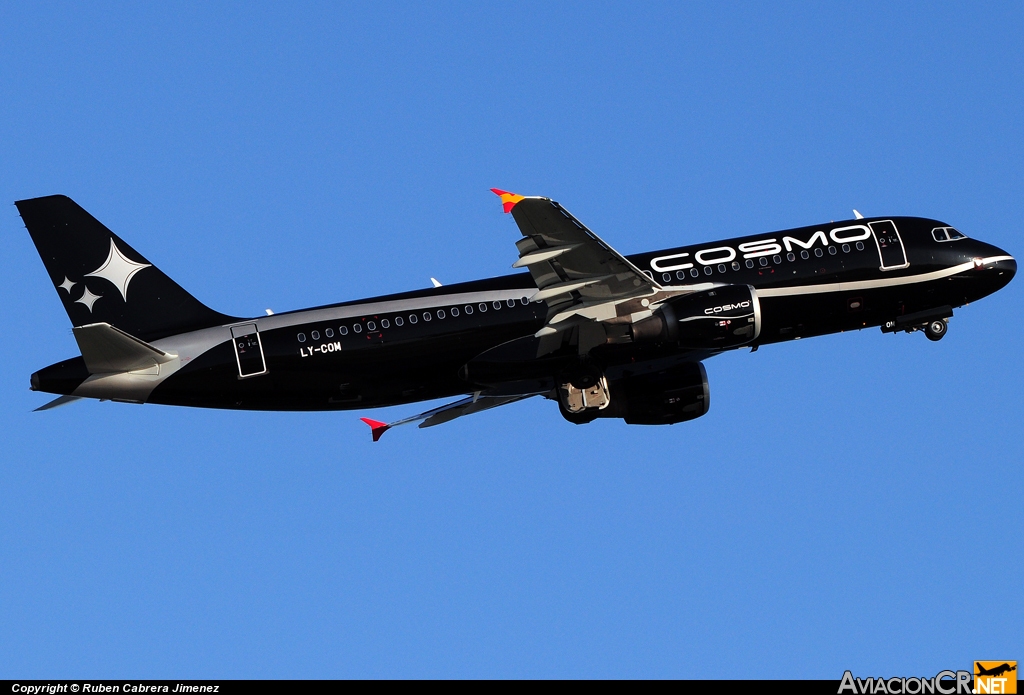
(935, 330)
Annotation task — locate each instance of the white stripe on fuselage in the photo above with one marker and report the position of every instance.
(875, 284)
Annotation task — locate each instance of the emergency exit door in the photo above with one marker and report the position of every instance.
(248, 351)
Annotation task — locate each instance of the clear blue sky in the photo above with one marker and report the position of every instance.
(848, 502)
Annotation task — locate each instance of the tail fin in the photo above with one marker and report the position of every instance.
(100, 278)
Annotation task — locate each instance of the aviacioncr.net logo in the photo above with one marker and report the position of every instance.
(942, 683)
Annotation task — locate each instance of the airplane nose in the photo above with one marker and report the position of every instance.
(1000, 266)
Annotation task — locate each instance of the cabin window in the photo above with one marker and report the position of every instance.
(371, 326)
(750, 263)
(454, 311)
(735, 265)
(954, 234)
(681, 274)
(776, 259)
(721, 267)
(427, 316)
(512, 302)
(399, 321)
(413, 318)
(343, 330)
(468, 309)
(440, 313)
(524, 301)
(707, 270)
(666, 277)
(819, 253)
(315, 335)
(860, 245)
(790, 256)
(497, 305)
(832, 250)
(384, 323)
(946, 234)
(846, 248)
(763, 260)
(301, 337)
(357, 328)
(482, 307)
(694, 272)
(804, 255)
(329, 332)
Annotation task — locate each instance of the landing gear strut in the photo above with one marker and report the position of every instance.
(935, 330)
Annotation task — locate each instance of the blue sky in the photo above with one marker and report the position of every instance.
(846, 503)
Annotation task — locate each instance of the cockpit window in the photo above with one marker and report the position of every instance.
(947, 234)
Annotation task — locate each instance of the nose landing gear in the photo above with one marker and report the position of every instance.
(935, 330)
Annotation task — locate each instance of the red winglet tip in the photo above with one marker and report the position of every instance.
(508, 200)
(377, 428)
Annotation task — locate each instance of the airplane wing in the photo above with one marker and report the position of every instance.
(445, 413)
(580, 277)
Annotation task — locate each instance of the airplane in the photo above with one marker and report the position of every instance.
(996, 670)
(601, 334)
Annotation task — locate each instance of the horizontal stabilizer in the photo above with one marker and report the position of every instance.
(107, 350)
(58, 402)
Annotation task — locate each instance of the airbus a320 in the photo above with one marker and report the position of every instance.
(601, 334)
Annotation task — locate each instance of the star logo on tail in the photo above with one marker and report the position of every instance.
(118, 270)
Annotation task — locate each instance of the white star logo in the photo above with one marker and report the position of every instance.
(66, 285)
(88, 298)
(118, 270)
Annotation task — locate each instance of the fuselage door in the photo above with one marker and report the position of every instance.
(248, 351)
(890, 247)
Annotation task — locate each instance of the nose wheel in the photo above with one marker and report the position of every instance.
(935, 330)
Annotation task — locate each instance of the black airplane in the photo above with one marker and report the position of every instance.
(601, 334)
(995, 671)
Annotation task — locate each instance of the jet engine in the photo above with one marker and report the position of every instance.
(720, 318)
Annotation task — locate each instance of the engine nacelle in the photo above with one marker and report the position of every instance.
(720, 318)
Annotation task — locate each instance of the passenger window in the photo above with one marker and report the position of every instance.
(455, 312)
(497, 305)
(524, 301)
(512, 302)
(819, 253)
(301, 337)
(358, 328)
(371, 326)
(750, 263)
(427, 316)
(846, 248)
(666, 277)
(384, 323)
(694, 272)
(721, 267)
(763, 260)
(399, 321)
(329, 332)
(315, 335)
(343, 330)
(468, 309)
(413, 318)
(939, 234)
(440, 313)
(804, 255)
(482, 307)
(860, 245)
(735, 265)
(790, 256)
(707, 270)
(681, 274)
(776, 259)
(832, 250)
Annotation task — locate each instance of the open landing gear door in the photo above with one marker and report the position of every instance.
(248, 351)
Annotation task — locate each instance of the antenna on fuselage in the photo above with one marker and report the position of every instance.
(435, 282)
(858, 215)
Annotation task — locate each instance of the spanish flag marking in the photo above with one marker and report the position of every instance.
(508, 200)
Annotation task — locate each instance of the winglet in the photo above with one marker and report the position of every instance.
(508, 200)
(377, 428)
